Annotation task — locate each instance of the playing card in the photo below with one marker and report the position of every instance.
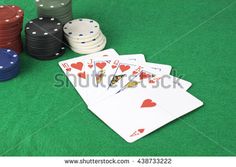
(136, 113)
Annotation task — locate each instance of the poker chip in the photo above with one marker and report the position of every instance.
(84, 36)
(9, 64)
(60, 9)
(11, 19)
(44, 38)
(90, 50)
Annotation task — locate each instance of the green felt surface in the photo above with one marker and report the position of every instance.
(196, 37)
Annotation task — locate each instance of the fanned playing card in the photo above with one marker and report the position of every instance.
(136, 113)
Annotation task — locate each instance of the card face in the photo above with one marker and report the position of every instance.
(134, 114)
(124, 72)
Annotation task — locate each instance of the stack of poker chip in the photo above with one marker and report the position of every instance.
(60, 9)
(44, 38)
(11, 19)
(84, 36)
(9, 64)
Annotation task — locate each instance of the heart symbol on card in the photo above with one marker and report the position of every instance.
(148, 103)
(78, 66)
(82, 75)
(141, 130)
(135, 72)
(138, 132)
(113, 66)
(101, 65)
(144, 75)
(68, 69)
(90, 66)
(124, 68)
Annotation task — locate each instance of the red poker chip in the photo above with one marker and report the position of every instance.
(9, 43)
(8, 37)
(11, 20)
(5, 27)
(10, 34)
(10, 15)
(14, 45)
(18, 48)
(10, 31)
(11, 28)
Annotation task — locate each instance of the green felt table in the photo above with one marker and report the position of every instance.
(196, 37)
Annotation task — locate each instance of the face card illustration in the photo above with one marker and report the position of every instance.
(151, 77)
(124, 72)
(100, 67)
(105, 68)
(138, 81)
(138, 113)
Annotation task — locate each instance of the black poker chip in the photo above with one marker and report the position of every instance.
(44, 38)
(43, 45)
(59, 53)
(43, 52)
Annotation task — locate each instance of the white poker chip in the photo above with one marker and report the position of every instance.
(81, 28)
(78, 40)
(93, 50)
(90, 44)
